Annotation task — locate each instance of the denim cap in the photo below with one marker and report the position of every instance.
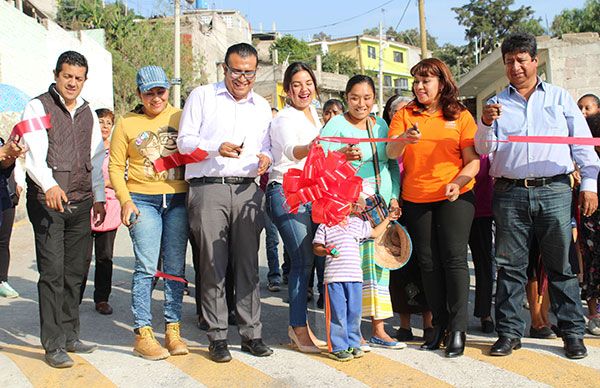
(149, 77)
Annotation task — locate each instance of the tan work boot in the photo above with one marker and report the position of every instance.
(146, 345)
(173, 341)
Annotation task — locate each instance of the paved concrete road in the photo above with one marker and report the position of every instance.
(539, 363)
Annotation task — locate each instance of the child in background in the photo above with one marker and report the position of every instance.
(343, 280)
(589, 104)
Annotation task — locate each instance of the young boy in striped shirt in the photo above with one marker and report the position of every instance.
(343, 280)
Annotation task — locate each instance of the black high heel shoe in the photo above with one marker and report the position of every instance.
(439, 333)
(456, 344)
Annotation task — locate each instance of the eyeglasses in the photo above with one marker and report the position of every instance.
(235, 74)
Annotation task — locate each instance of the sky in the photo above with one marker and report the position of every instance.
(300, 17)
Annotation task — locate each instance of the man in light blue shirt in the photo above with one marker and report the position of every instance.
(532, 192)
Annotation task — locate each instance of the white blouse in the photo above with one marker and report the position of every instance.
(289, 129)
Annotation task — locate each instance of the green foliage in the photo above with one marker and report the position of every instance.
(456, 57)
(292, 49)
(321, 36)
(586, 19)
(133, 41)
(334, 62)
(492, 20)
(412, 36)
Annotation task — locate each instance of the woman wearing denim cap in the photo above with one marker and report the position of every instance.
(153, 207)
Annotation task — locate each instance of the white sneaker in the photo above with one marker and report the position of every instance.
(7, 291)
(594, 326)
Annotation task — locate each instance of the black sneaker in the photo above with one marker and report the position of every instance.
(543, 332)
(341, 356)
(256, 347)
(356, 352)
(79, 347)
(58, 358)
(274, 287)
(218, 352)
(403, 334)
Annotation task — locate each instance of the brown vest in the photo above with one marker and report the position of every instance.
(69, 148)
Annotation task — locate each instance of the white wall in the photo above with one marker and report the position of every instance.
(29, 50)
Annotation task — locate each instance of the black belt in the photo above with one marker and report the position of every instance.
(534, 182)
(224, 180)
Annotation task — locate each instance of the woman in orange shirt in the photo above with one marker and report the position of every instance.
(440, 163)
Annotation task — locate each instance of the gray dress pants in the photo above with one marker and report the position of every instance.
(226, 221)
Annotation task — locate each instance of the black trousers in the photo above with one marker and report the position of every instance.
(480, 242)
(61, 244)
(8, 219)
(440, 231)
(102, 244)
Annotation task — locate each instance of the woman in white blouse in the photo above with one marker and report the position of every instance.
(292, 132)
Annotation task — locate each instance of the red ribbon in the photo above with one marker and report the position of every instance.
(329, 183)
(594, 141)
(31, 125)
(163, 275)
(177, 159)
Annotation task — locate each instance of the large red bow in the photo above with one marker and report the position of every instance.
(328, 182)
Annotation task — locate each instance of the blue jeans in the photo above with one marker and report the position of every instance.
(342, 313)
(271, 243)
(161, 230)
(297, 232)
(543, 213)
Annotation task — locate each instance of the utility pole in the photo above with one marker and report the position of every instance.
(177, 64)
(380, 98)
(275, 80)
(423, 29)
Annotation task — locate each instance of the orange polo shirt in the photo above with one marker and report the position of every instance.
(436, 159)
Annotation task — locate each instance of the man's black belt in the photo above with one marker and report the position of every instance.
(534, 182)
(224, 180)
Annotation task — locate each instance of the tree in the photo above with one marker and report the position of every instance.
(412, 36)
(292, 49)
(457, 58)
(586, 19)
(321, 36)
(490, 21)
(334, 62)
(133, 41)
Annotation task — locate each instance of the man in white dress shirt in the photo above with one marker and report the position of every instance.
(225, 206)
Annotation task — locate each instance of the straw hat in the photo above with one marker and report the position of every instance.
(393, 247)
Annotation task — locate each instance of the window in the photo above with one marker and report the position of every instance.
(401, 84)
(228, 21)
(387, 80)
(398, 56)
(371, 52)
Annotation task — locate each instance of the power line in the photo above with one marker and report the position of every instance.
(402, 17)
(340, 21)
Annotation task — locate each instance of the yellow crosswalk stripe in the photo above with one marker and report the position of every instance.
(595, 342)
(231, 374)
(378, 371)
(31, 362)
(544, 368)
